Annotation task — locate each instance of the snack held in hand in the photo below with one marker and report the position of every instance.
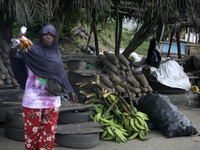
(21, 42)
(25, 43)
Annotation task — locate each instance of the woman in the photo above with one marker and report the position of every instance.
(40, 108)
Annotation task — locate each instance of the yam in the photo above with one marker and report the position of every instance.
(107, 70)
(74, 29)
(1, 82)
(143, 89)
(4, 46)
(122, 72)
(131, 79)
(133, 89)
(118, 72)
(14, 81)
(117, 66)
(105, 80)
(6, 61)
(7, 76)
(111, 57)
(4, 55)
(129, 73)
(120, 89)
(133, 95)
(2, 67)
(150, 90)
(108, 64)
(123, 59)
(138, 95)
(114, 78)
(144, 94)
(107, 88)
(2, 76)
(10, 70)
(141, 79)
(122, 66)
(8, 81)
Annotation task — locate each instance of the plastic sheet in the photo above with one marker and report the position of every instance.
(171, 74)
(154, 54)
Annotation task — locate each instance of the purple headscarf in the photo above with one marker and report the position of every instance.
(46, 61)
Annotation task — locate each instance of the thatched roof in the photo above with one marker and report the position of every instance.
(176, 13)
(182, 13)
(170, 11)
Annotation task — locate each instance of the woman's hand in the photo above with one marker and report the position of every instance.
(73, 97)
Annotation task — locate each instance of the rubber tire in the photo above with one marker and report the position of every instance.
(13, 119)
(68, 117)
(78, 141)
(14, 133)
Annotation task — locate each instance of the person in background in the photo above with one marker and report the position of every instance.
(32, 70)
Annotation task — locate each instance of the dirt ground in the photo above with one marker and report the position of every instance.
(156, 142)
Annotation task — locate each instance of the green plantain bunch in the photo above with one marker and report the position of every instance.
(121, 120)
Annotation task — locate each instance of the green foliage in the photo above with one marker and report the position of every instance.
(16, 29)
(131, 58)
(126, 37)
(143, 48)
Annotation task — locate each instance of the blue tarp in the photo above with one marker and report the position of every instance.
(173, 49)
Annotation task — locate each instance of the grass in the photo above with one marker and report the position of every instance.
(106, 41)
(143, 48)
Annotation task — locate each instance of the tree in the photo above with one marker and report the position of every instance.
(175, 14)
(23, 11)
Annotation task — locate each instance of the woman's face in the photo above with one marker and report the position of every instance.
(47, 39)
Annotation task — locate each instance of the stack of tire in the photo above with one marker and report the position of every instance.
(14, 127)
(77, 141)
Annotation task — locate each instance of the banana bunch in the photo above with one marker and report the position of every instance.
(121, 121)
(136, 126)
(122, 130)
(112, 130)
(114, 133)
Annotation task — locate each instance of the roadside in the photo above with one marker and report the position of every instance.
(156, 142)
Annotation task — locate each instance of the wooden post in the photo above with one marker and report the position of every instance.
(88, 40)
(188, 41)
(178, 44)
(161, 36)
(95, 33)
(120, 32)
(116, 31)
(171, 37)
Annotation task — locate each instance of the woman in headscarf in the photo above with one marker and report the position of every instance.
(40, 108)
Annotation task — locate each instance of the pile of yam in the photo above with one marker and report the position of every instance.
(117, 68)
(6, 73)
(80, 32)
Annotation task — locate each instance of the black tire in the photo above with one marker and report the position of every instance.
(78, 141)
(14, 133)
(13, 119)
(68, 117)
(92, 48)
